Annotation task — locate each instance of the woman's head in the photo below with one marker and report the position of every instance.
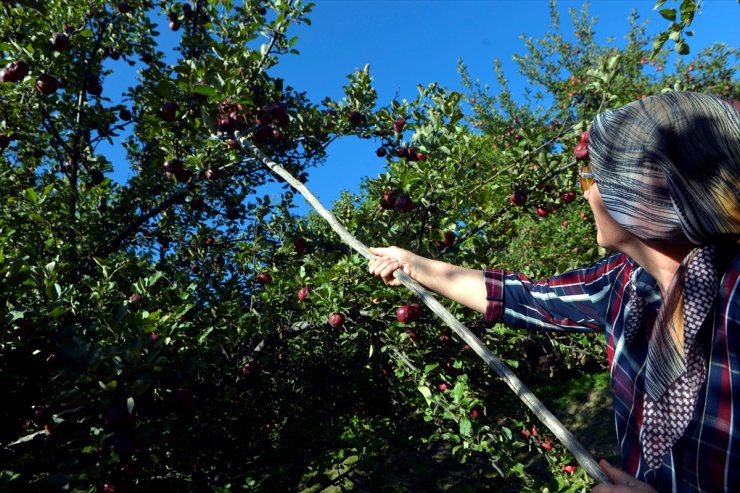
(668, 166)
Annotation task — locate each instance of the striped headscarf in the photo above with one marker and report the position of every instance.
(668, 166)
(668, 169)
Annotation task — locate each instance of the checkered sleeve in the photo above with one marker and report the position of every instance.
(577, 300)
(494, 279)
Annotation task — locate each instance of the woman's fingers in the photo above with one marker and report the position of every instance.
(622, 482)
(383, 267)
(384, 261)
(387, 270)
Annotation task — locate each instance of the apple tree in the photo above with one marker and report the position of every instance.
(181, 329)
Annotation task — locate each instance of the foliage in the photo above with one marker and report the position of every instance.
(154, 335)
(679, 21)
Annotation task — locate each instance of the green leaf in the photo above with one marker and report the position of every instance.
(426, 393)
(506, 432)
(458, 391)
(205, 90)
(31, 195)
(204, 334)
(465, 426)
(669, 14)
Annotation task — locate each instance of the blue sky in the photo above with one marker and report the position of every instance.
(410, 42)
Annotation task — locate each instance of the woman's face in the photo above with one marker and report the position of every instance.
(609, 233)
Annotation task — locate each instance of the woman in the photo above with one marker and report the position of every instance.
(665, 195)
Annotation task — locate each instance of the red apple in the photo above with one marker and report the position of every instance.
(168, 112)
(443, 386)
(263, 118)
(542, 211)
(124, 8)
(174, 25)
(209, 241)
(41, 415)
(124, 114)
(380, 152)
(14, 71)
(46, 84)
(525, 434)
(581, 151)
(408, 313)
(389, 199)
(211, 174)
(584, 136)
(547, 444)
(518, 198)
(356, 118)
(569, 468)
(60, 42)
(475, 413)
(336, 320)
(569, 196)
(279, 113)
(264, 278)
(403, 204)
(303, 294)
(398, 125)
(187, 11)
(174, 166)
(250, 369)
(412, 336)
(225, 124)
(93, 85)
(135, 299)
(195, 268)
(263, 134)
(299, 244)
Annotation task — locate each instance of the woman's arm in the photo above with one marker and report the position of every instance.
(459, 284)
(577, 300)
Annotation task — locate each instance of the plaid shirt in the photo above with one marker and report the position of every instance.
(595, 298)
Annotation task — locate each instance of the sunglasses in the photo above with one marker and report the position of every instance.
(585, 178)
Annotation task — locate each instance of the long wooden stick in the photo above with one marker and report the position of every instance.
(533, 403)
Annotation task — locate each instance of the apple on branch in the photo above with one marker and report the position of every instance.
(336, 320)
(303, 294)
(518, 198)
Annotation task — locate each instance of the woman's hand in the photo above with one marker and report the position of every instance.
(622, 482)
(385, 261)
